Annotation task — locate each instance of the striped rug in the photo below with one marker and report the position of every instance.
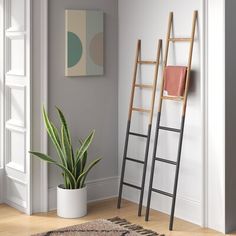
(111, 227)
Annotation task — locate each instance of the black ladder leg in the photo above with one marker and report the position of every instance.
(123, 164)
(152, 167)
(144, 170)
(177, 173)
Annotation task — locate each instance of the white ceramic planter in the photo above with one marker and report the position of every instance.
(71, 203)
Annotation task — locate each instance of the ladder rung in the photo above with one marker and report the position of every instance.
(141, 110)
(166, 161)
(134, 160)
(139, 135)
(170, 129)
(180, 39)
(132, 185)
(162, 192)
(147, 62)
(175, 98)
(144, 86)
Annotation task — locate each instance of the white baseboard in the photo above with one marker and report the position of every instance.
(16, 206)
(186, 208)
(1, 185)
(99, 189)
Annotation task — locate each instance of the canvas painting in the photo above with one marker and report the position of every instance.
(84, 43)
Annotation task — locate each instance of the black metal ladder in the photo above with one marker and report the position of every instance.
(169, 129)
(138, 61)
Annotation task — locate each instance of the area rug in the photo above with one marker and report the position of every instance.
(111, 227)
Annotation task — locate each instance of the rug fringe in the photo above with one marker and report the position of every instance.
(137, 228)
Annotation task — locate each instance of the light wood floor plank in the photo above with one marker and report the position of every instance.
(14, 223)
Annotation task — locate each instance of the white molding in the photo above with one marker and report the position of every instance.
(9, 38)
(15, 35)
(187, 209)
(17, 123)
(28, 65)
(14, 127)
(13, 179)
(1, 184)
(16, 167)
(15, 201)
(9, 26)
(2, 87)
(10, 84)
(215, 116)
(99, 189)
(20, 207)
(204, 110)
(7, 17)
(44, 100)
(11, 122)
(16, 171)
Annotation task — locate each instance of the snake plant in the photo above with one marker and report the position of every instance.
(72, 164)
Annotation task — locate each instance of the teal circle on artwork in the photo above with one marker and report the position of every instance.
(75, 49)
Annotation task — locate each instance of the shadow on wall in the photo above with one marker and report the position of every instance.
(194, 76)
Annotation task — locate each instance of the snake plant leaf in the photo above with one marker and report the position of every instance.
(73, 165)
(55, 130)
(47, 158)
(84, 147)
(70, 176)
(66, 184)
(53, 137)
(85, 173)
(81, 165)
(67, 148)
(77, 167)
(84, 159)
(64, 123)
(43, 157)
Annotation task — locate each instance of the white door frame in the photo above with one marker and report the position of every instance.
(204, 118)
(214, 121)
(2, 107)
(15, 173)
(29, 102)
(213, 118)
(44, 99)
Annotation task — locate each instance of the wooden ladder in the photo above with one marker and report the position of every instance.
(132, 109)
(182, 99)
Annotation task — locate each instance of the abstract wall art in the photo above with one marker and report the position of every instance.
(84, 42)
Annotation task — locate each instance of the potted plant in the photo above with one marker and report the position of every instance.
(72, 194)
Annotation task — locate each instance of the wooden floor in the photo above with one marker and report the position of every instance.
(15, 223)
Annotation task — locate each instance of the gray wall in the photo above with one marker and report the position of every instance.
(230, 116)
(88, 102)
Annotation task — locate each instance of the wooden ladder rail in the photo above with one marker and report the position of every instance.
(181, 130)
(138, 61)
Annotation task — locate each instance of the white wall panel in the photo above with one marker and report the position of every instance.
(1, 184)
(15, 55)
(216, 115)
(2, 39)
(16, 192)
(16, 150)
(17, 105)
(15, 20)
